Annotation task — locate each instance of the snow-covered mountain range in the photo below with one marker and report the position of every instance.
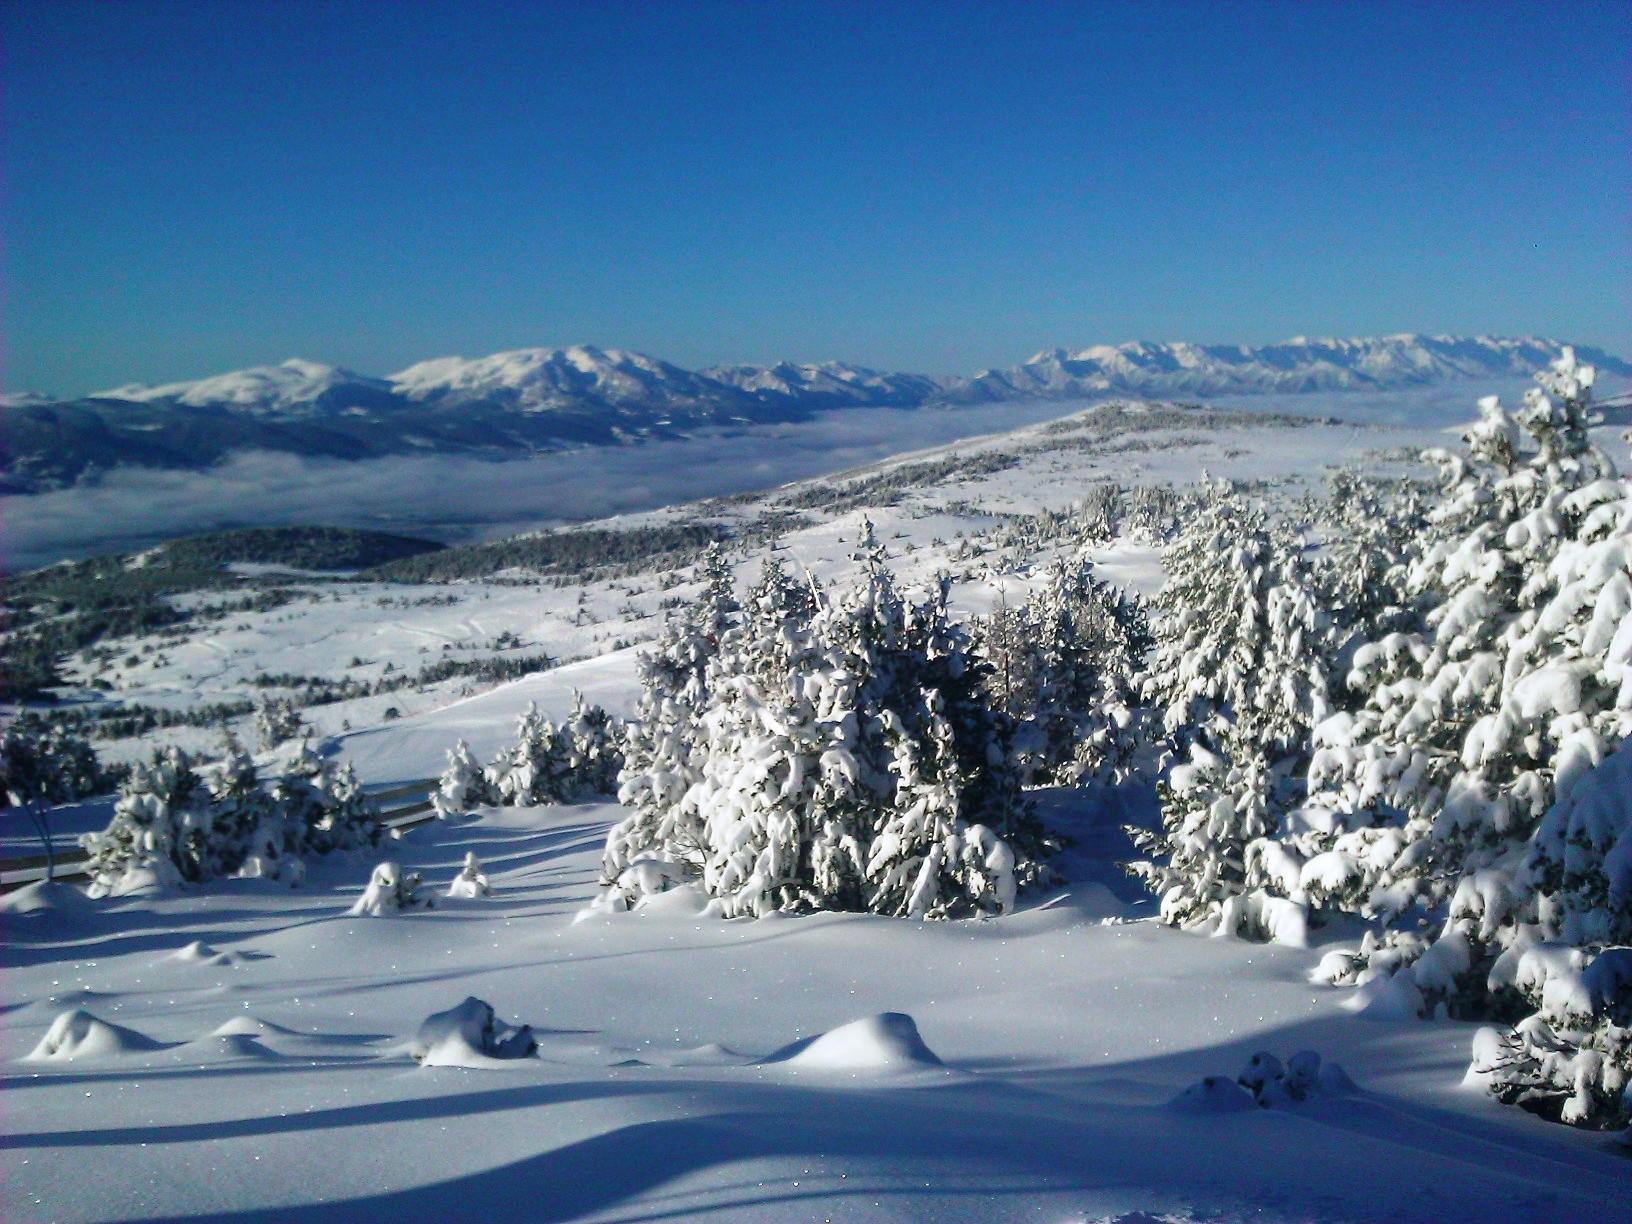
(548, 398)
(1300, 364)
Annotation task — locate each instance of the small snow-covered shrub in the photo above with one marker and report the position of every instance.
(390, 890)
(321, 808)
(471, 883)
(153, 838)
(648, 876)
(469, 1035)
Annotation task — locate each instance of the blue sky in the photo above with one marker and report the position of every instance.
(193, 188)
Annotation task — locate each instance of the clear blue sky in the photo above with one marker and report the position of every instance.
(190, 188)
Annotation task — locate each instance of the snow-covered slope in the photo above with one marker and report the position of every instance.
(1300, 364)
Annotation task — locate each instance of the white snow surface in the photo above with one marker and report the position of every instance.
(1063, 1040)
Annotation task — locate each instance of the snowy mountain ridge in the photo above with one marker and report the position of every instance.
(1296, 365)
(555, 377)
(533, 400)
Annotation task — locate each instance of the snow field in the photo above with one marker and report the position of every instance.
(1064, 1041)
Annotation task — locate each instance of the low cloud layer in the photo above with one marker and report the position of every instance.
(457, 497)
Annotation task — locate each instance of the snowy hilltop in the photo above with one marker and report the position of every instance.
(549, 399)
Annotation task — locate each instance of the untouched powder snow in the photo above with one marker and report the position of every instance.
(285, 1087)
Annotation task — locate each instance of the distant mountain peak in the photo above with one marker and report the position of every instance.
(290, 384)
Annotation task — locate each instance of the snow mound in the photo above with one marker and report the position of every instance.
(711, 1055)
(42, 902)
(1214, 1095)
(469, 1035)
(78, 1034)
(253, 1026)
(886, 1042)
(200, 953)
(229, 1046)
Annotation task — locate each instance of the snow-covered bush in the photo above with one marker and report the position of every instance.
(471, 883)
(569, 763)
(594, 742)
(151, 838)
(174, 823)
(1571, 1059)
(469, 1035)
(837, 753)
(45, 764)
(239, 808)
(322, 809)
(390, 890)
(462, 785)
(277, 721)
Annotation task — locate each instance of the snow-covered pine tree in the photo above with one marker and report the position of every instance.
(1571, 1058)
(527, 772)
(1065, 666)
(1211, 616)
(1371, 532)
(322, 809)
(1093, 638)
(238, 807)
(160, 804)
(1252, 664)
(277, 721)
(43, 765)
(662, 747)
(925, 861)
(1469, 733)
(594, 749)
(462, 786)
(815, 709)
(569, 763)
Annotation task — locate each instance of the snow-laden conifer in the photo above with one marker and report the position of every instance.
(845, 756)
(1252, 668)
(277, 721)
(462, 786)
(662, 748)
(160, 803)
